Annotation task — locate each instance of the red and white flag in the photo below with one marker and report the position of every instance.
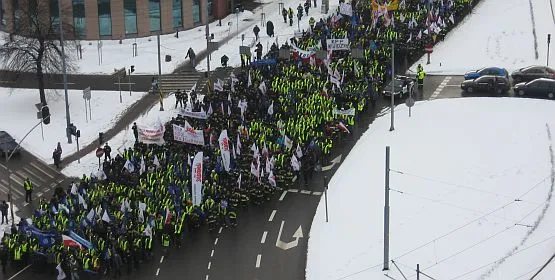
(168, 217)
(343, 127)
(70, 242)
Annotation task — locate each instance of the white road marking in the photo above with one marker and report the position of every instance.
(40, 169)
(440, 87)
(39, 194)
(305, 192)
(216, 241)
(162, 259)
(212, 253)
(282, 195)
(157, 271)
(25, 204)
(209, 265)
(258, 259)
(15, 275)
(206, 277)
(33, 173)
(293, 190)
(316, 193)
(220, 231)
(264, 237)
(272, 216)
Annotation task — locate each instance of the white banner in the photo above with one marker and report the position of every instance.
(196, 179)
(151, 135)
(188, 134)
(224, 149)
(350, 112)
(302, 53)
(195, 115)
(346, 9)
(337, 44)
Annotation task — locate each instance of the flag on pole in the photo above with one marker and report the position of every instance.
(143, 166)
(239, 180)
(61, 274)
(238, 144)
(210, 110)
(452, 19)
(295, 163)
(343, 127)
(299, 151)
(271, 109)
(262, 87)
(82, 201)
(105, 216)
(73, 189)
(196, 178)
(249, 82)
(224, 149)
(148, 231)
(156, 161)
(218, 85)
(91, 215)
(268, 165)
(272, 179)
(288, 143)
(129, 166)
(168, 217)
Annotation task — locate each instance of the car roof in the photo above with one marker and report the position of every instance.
(543, 80)
(492, 67)
(5, 137)
(532, 67)
(493, 76)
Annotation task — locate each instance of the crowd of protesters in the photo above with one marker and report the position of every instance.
(282, 121)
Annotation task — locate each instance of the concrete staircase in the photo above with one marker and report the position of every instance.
(180, 81)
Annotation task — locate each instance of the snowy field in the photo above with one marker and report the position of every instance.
(19, 115)
(497, 33)
(471, 192)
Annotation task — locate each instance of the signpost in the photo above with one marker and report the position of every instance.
(429, 49)
(409, 102)
(39, 117)
(99, 154)
(119, 74)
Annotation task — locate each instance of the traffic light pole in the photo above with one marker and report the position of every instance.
(8, 157)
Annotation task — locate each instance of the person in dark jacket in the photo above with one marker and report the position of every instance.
(270, 28)
(135, 132)
(256, 30)
(4, 209)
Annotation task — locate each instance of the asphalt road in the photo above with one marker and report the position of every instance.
(249, 251)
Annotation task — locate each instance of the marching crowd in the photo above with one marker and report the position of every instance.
(268, 127)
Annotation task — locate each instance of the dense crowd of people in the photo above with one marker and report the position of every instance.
(282, 121)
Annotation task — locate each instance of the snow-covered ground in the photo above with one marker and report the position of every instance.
(7, 227)
(19, 115)
(497, 33)
(471, 191)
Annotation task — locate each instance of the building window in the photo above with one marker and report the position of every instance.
(177, 11)
(130, 12)
(154, 15)
(209, 8)
(196, 11)
(79, 23)
(54, 15)
(104, 18)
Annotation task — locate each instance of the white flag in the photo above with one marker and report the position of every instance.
(262, 87)
(249, 82)
(452, 19)
(148, 231)
(219, 86)
(271, 109)
(299, 151)
(272, 179)
(73, 188)
(233, 151)
(254, 170)
(129, 166)
(295, 163)
(61, 274)
(288, 143)
(82, 201)
(196, 178)
(143, 166)
(239, 180)
(238, 144)
(90, 215)
(268, 165)
(210, 110)
(224, 148)
(105, 216)
(156, 161)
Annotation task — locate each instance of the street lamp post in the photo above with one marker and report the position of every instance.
(548, 42)
(64, 71)
(392, 86)
(237, 17)
(8, 157)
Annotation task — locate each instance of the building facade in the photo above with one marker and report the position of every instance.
(120, 19)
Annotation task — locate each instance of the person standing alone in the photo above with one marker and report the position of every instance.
(28, 185)
(4, 209)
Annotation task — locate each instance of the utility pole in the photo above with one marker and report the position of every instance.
(392, 127)
(417, 271)
(386, 214)
(64, 71)
(548, 42)
(208, 40)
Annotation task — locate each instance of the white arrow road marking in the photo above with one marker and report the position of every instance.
(286, 246)
(334, 161)
(272, 216)
(258, 259)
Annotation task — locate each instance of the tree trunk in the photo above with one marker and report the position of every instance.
(40, 74)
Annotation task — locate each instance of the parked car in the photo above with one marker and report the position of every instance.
(7, 144)
(487, 83)
(492, 71)
(542, 87)
(530, 73)
(404, 86)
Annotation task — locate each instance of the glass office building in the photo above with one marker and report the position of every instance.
(120, 19)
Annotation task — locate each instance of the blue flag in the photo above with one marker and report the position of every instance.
(45, 238)
(81, 240)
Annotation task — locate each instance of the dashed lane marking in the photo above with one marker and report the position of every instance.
(212, 253)
(263, 240)
(306, 192)
(316, 193)
(272, 216)
(39, 194)
(162, 259)
(293, 190)
(220, 231)
(157, 271)
(207, 276)
(258, 259)
(209, 265)
(216, 241)
(439, 88)
(282, 195)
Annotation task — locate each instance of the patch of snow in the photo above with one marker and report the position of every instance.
(471, 195)
(7, 227)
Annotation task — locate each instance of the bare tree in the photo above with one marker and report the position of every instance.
(35, 46)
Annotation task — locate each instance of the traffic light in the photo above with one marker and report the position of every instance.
(132, 68)
(78, 133)
(45, 112)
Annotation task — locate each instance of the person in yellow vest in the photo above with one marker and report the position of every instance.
(421, 76)
(28, 190)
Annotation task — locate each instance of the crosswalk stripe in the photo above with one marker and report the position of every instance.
(4, 186)
(35, 174)
(42, 171)
(305, 192)
(14, 188)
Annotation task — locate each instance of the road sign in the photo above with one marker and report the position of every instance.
(409, 102)
(38, 106)
(99, 152)
(87, 93)
(119, 73)
(244, 50)
(213, 46)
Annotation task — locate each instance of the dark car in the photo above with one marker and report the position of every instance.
(404, 86)
(492, 71)
(488, 83)
(530, 73)
(541, 87)
(7, 144)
